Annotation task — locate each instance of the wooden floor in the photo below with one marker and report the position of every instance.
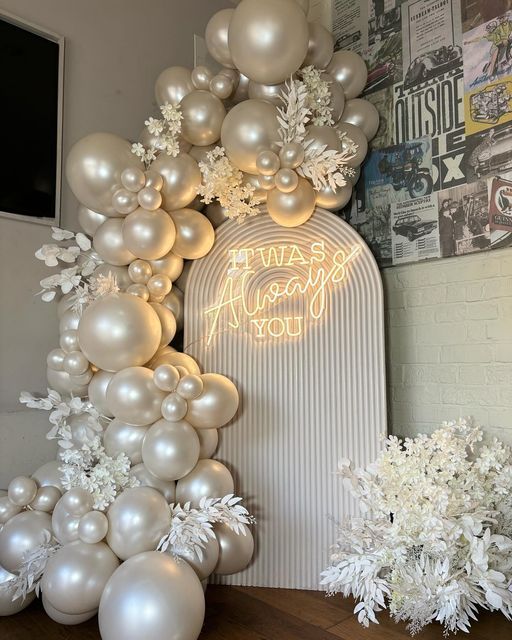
(236, 613)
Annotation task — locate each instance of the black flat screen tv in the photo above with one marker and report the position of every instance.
(31, 66)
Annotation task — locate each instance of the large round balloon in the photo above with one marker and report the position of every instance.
(203, 114)
(120, 437)
(268, 40)
(147, 479)
(248, 129)
(133, 397)
(109, 243)
(216, 37)
(208, 441)
(194, 234)
(205, 565)
(76, 575)
(170, 449)
(216, 405)
(294, 208)
(363, 114)
(171, 265)
(148, 234)
(90, 220)
(152, 596)
(93, 169)
(8, 606)
(173, 84)
(138, 519)
(349, 69)
(20, 535)
(235, 549)
(118, 331)
(67, 513)
(208, 479)
(181, 177)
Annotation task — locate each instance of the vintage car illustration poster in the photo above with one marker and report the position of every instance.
(488, 153)
(414, 230)
(384, 61)
(350, 25)
(488, 106)
(487, 52)
(463, 219)
(431, 39)
(398, 173)
(500, 205)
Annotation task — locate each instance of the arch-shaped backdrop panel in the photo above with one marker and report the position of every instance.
(295, 318)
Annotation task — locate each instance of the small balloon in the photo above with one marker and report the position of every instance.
(67, 513)
(22, 490)
(149, 198)
(133, 179)
(55, 359)
(75, 363)
(286, 180)
(203, 115)
(334, 200)
(133, 397)
(93, 527)
(154, 179)
(235, 549)
(174, 302)
(137, 519)
(221, 86)
(267, 163)
(159, 285)
(267, 182)
(46, 499)
(294, 208)
(8, 510)
(68, 342)
(209, 478)
(170, 356)
(166, 377)
(171, 265)
(194, 234)
(124, 201)
(201, 77)
(190, 387)
(140, 271)
(174, 407)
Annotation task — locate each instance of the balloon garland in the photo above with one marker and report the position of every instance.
(135, 513)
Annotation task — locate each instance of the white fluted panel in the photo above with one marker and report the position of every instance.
(306, 401)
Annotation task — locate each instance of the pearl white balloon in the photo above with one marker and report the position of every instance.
(269, 92)
(120, 274)
(149, 198)
(334, 200)
(203, 567)
(108, 241)
(201, 77)
(118, 331)
(249, 128)
(154, 179)
(203, 114)
(147, 479)
(171, 265)
(168, 322)
(120, 437)
(170, 449)
(93, 169)
(217, 404)
(69, 321)
(349, 69)
(133, 397)
(172, 85)
(216, 214)
(174, 407)
(46, 499)
(241, 91)
(194, 234)
(222, 86)
(68, 342)
(138, 518)
(74, 504)
(268, 40)
(166, 377)
(93, 527)
(65, 618)
(148, 234)
(174, 302)
(49, 475)
(97, 391)
(152, 596)
(171, 356)
(352, 134)
(208, 479)
(208, 441)
(124, 201)
(22, 490)
(8, 510)
(235, 550)
(20, 535)
(216, 37)
(363, 114)
(75, 363)
(181, 179)
(8, 606)
(159, 286)
(63, 383)
(90, 220)
(294, 208)
(190, 387)
(320, 46)
(76, 575)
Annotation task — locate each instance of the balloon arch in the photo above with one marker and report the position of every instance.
(135, 513)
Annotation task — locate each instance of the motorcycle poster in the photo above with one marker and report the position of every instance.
(398, 173)
(414, 227)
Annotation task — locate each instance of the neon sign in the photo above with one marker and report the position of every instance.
(265, 285)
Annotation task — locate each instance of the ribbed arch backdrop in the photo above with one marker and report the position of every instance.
(295, 318)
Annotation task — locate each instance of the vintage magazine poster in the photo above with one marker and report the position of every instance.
(414, 230)
(431, 35)
(383, 102)
(350, 25)
(500, 205)
(488, 106)
(374, 225)
(488, 153)
(398, 173)
(476, 12)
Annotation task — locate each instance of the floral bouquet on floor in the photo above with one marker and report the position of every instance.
(434, 542)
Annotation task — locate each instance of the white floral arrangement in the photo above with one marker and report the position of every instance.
(434, 542)
(165, 133)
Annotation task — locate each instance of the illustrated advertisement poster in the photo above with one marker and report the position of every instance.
(415, 233)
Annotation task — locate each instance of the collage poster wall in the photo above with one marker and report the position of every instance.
(438, 179)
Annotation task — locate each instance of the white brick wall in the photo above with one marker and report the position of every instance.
(449, 341)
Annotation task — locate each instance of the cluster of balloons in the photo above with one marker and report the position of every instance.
(156, 406)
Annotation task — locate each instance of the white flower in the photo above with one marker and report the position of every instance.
(154, 126)
(138, 149)
(61, 234)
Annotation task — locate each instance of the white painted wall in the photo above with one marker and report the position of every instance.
(115, 49)
(450, 343)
